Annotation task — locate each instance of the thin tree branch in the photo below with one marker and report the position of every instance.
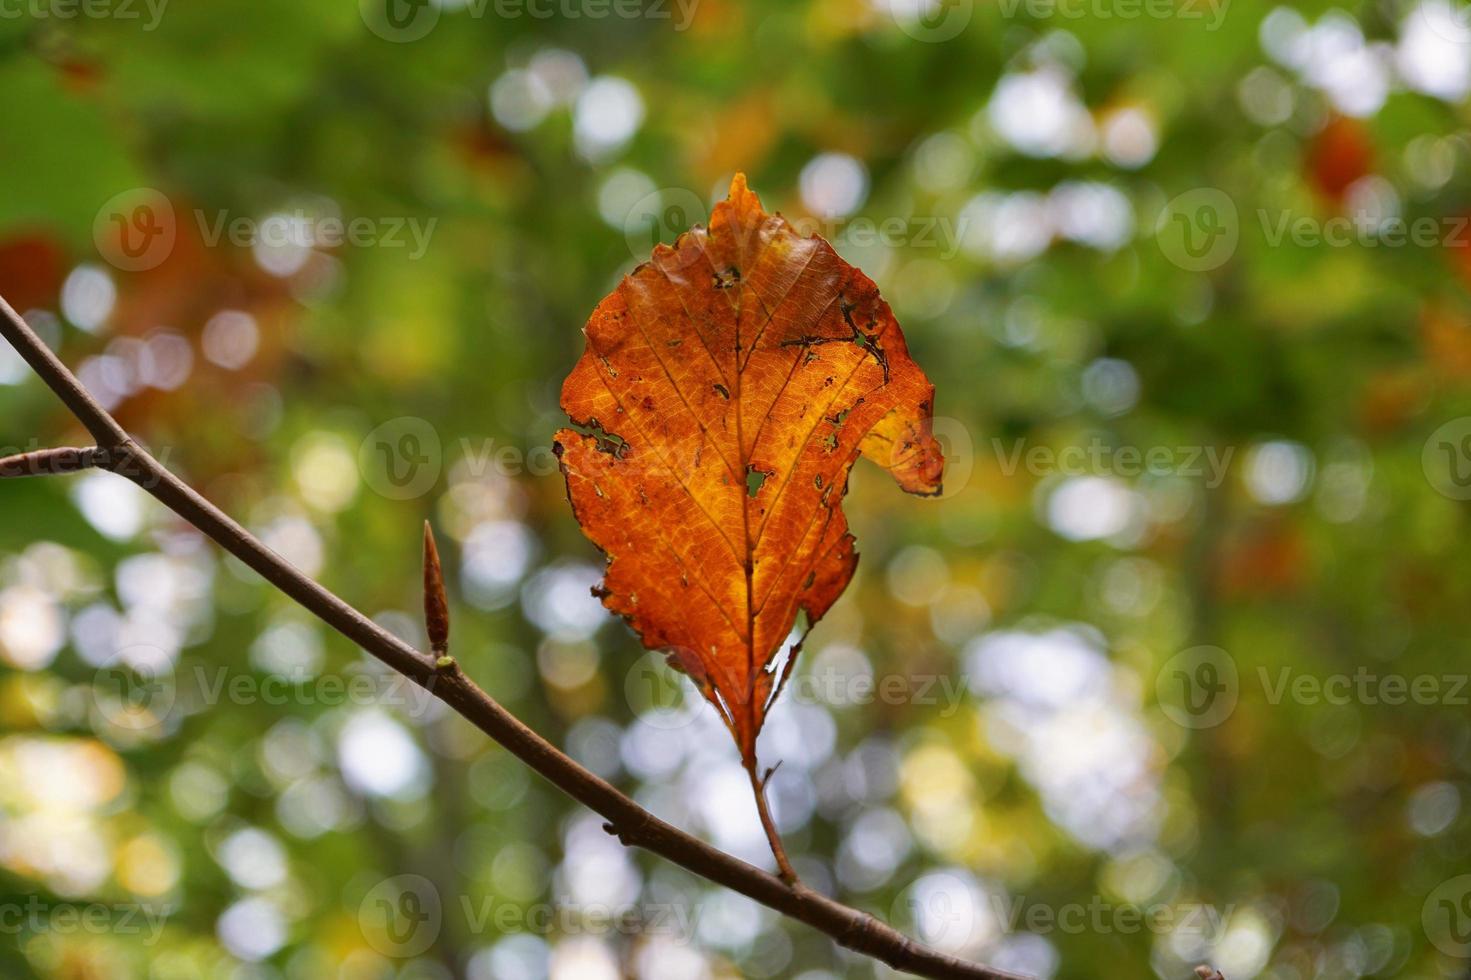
(50, 462)
(631, 823)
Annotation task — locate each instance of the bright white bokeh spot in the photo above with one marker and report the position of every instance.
(380, 758)
(1265, 96)
(1038, 114)
(1433, 808)
(288, 648)
(516, 957)
(283, 243)
(584, 958)
(669, 957)
(1091, 213)
(1279, 472)
(1129, 138)
(607, 115)
(165, 360)
(944, 162)
(917, 575)
(1281, 35)
(834, 185)
(520, 100)
(1009, 228)
(88, 296)
(1111, 385)
(252, 929)
(32, 627)
(559, 600)
(561, 72)
(295, 539)
(115, 508)
(253, 859)
(493, 559)
(875, 845)
(1434, 52)
(1086, 508)
(326, 471)
(1332, 57)
(621, 190)
(231, 338)
(13, 367)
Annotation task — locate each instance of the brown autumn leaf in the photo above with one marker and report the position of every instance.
(728, 386)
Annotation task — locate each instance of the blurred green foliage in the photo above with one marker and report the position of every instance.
(1081, 717)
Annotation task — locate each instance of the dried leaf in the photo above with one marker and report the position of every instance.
(727, 388)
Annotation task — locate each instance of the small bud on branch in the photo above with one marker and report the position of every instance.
(436, 603)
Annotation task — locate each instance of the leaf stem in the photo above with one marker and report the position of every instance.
(773, 836)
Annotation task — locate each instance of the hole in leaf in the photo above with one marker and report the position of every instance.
(755, 479)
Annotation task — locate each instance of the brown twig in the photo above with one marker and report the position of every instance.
(50, 462)
(631, 823)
